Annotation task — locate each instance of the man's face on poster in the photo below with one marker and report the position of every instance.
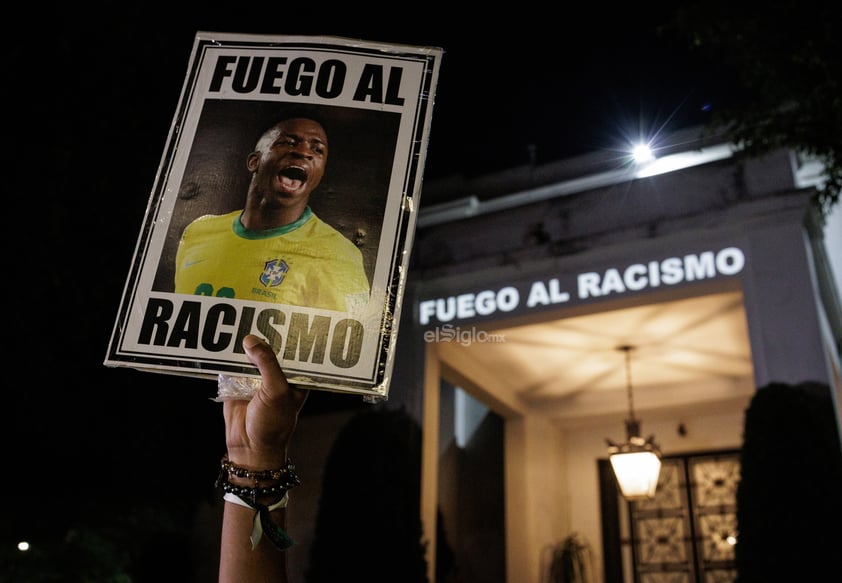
(289, 160)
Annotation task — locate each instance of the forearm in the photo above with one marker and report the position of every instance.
(256, 474)
(253, 526)
(238, 562)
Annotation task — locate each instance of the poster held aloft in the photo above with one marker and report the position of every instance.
(284, 206)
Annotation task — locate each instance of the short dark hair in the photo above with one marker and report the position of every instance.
(298, 111)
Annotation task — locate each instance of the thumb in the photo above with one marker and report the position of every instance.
(274, 383)
(263, 357)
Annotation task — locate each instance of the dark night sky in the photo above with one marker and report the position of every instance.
(92, 100)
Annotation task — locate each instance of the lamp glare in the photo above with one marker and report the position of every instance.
(642, 153)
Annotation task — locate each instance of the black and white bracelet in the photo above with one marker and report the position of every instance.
(285, 478)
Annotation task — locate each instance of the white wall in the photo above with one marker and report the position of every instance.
(833, 243)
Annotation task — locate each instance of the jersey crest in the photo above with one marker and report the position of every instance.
(273, 272)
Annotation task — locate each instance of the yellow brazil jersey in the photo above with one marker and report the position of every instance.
(307, 263)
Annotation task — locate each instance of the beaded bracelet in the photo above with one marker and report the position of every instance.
(253, 493)
(285, 477)
(286, 472)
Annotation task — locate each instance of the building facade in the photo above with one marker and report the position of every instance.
(712, 266)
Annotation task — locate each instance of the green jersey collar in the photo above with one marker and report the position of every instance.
(240, 230)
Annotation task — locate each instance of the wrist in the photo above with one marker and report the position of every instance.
(256, 460)
(261, 489)
(264, 486)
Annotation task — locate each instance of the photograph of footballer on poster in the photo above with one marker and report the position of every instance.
(286, 216)
(339, 160)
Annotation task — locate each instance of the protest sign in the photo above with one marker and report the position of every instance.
(215, 261)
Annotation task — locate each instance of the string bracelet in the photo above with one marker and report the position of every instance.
(262, 523)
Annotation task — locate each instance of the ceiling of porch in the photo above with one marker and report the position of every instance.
(687, 353)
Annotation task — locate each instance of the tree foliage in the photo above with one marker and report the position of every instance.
(133, 542)
(788, 504)
(781, 65)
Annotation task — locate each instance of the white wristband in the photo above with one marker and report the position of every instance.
(257, 526)
(282, 503)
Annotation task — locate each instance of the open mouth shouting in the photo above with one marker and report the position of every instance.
(292, 178)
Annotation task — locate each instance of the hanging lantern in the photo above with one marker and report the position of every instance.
(637, 462)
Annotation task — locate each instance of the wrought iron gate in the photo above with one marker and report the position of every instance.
(686, 533)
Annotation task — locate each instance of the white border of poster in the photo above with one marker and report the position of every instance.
(378, 99)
